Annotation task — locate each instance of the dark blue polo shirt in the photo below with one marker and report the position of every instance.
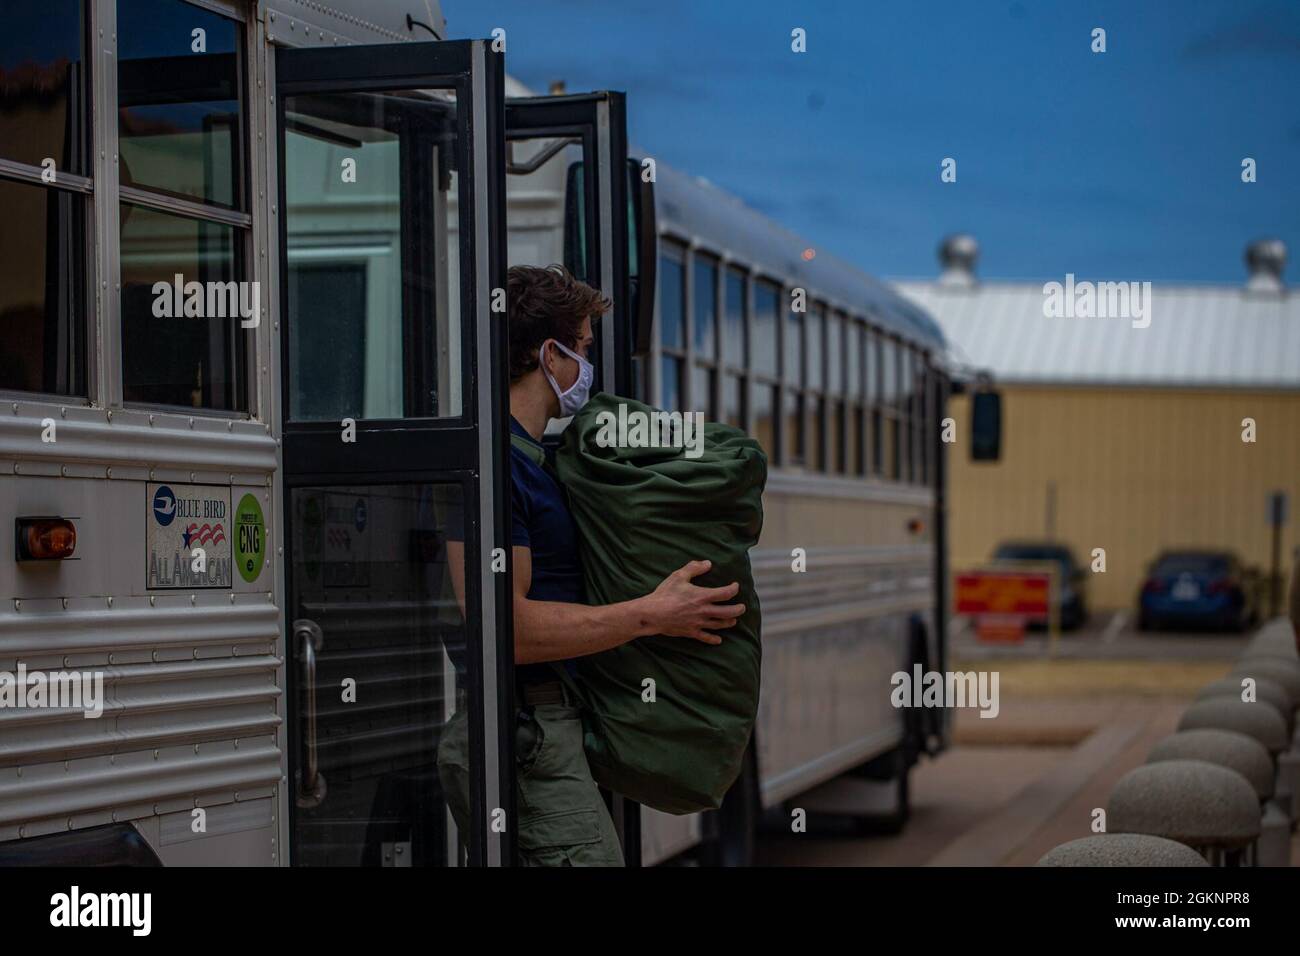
(543, 524)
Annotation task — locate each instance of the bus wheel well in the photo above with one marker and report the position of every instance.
(118, 844)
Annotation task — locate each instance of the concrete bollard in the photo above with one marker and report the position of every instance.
(1212, 809)
(1122, 849)
(1258, 720)
(1277, 669)
(1224, 748)
(1275, 638)
(1247, 756)
(1288, 762)
(1269, 691)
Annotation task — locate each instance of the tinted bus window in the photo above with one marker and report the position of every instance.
(177, 360)
(733, 329)
(43, 85)
(765, 419)
(672, 314)
(670, 385)
(179, 113)
(42, 298)
(706, 306)
(763, 343)
(816, 321)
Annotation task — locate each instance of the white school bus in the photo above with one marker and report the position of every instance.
(252, 372)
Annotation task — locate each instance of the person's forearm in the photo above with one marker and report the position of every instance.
(555, 631)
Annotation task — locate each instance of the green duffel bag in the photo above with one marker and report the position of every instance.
(642, 513)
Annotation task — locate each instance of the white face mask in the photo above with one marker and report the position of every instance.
(577, 394)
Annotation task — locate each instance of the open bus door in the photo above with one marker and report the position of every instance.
(395, 431)
(573, 199)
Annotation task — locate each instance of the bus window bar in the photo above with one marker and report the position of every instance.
(38, 175)
(184, 207)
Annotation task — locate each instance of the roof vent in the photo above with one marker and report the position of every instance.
(1265, 260)
(957, 256)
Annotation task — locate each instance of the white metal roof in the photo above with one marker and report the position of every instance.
(1202, 335)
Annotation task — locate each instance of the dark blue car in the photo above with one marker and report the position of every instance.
(1197, 589)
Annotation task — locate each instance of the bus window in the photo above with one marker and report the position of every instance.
(179, 117)
(370, 330)
(672, 326)
(734, 349)
(43, 118)
(921, 425)
(794, 442)
(181, 132)
(670, 382)
(42, 297)
(835, 420)
(704, 324)
(889, 460)
(734, 338)
(177, 360)
(763, 340)
(855, 461)
(765, 422)
(672, 288)
(903, 405)
(705, 307)
(815, 407)
(793, 448)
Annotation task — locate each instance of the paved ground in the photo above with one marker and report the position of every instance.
(1013, 787)
(1108, 635)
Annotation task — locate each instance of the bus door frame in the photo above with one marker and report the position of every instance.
(471, 450)
(599, 121)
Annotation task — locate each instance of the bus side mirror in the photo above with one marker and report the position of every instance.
(986, 425)
(642, 256)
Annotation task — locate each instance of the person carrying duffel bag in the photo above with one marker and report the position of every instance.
(667, 721)
(561, 818)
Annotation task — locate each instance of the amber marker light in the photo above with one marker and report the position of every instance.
(45, 539)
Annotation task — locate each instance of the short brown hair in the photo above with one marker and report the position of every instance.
(546, 304)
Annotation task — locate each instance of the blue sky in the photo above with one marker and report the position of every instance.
(1125, 164)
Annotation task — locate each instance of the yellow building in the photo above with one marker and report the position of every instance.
(1133, 434)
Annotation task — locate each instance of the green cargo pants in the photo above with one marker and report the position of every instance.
(562, 818)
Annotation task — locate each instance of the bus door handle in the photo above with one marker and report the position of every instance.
(308, 640)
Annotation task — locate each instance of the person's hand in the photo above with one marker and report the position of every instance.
(678, 608)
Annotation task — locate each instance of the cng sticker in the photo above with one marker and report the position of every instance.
(250, 538)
